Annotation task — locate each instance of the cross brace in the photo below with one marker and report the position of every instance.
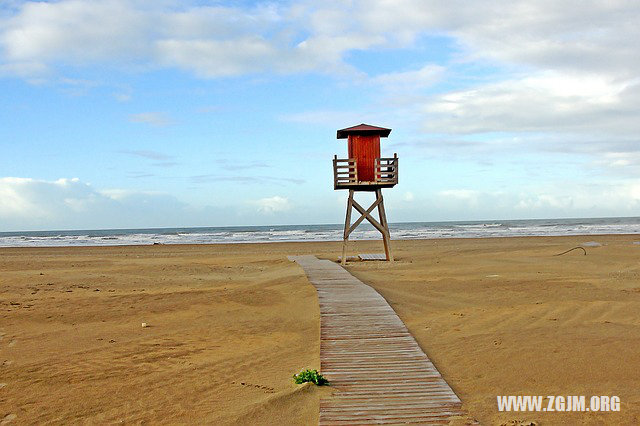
(381, 225)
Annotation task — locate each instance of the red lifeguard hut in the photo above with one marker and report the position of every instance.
(365, 170)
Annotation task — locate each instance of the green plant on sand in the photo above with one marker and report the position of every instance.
(310, 376)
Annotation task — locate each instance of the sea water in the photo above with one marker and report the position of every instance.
(331, 232)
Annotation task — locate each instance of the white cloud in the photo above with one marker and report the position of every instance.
(157, 119)
(13, 201)
(217, 58)
(210, 41)
(24, 69)
(468, 197)
(41, 33)
(564, 68)
(579, 36)
(122, 97)
(576, 36)
(462, 194)
(410, 80)
(31, 201)
(27, 203)
(148, 154)
(539, 103)
(273, 204)
(214, 41)
(572, 199)
(625, 163)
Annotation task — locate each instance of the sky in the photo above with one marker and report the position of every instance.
(162, 113)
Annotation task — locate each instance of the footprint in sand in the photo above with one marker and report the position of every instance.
(8, 419)
(267, 389)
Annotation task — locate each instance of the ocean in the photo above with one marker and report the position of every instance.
(265, 234)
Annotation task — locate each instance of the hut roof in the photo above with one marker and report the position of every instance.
(363, 129)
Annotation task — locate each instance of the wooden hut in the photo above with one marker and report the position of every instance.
(365, 170)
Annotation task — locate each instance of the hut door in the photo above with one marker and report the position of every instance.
(365, 149)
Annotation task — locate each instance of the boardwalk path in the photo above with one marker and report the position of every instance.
(380, 374)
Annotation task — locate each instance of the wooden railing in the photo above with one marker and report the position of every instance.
(345, 172)
(387, 170)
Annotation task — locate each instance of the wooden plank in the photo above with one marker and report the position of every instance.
(364, 216)
(379, 372)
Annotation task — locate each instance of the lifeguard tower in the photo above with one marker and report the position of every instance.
(365, 170)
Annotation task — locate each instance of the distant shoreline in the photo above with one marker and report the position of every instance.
(589, 237)
(329, 232)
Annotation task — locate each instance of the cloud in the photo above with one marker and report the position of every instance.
(34, 204)
(209, 41)
(404, 81)
(166, 164)
(541, 102)
(576, 36)
(157, 119)
(271, 205)
(27, 203)
(122, 97)
(625, 162)
(470, 197)
(139, 175)
(244, 179)
(217, 58)
(572, 199)
(408, 196)
(27, 70)
(235, 165)
(565, 72)
(39, 32)
(161, 160)
(214, 41)
(148, 154)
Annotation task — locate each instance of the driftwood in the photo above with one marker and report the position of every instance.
(571, 249)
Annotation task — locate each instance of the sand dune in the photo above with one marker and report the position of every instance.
(230, 324)
(226, 332)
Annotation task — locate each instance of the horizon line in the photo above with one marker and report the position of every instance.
(308, 224)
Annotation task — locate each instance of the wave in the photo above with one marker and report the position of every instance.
(426, 230)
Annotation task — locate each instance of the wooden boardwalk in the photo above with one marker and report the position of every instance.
(380, 374)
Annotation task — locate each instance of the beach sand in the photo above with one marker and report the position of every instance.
(229, 324)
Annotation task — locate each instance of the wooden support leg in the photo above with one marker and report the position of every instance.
(347, 226)
(386, 235)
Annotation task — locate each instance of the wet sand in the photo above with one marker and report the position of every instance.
(230, 324)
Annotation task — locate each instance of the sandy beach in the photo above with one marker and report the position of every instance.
(229, 324)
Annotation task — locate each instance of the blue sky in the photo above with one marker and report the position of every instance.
(164, 113)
